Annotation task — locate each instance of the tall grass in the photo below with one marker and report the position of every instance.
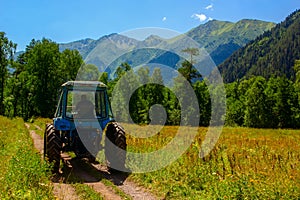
(244, 164)
(23, 174)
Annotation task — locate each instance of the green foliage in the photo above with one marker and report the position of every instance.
(204, 102)
(138, 95)
(235, 105)
(38, 73)
(296, 69)
(88, 72)
(7, 50)
(188, 71)
(255, 104)
(258, 102)
(23, 173)
(271, 54)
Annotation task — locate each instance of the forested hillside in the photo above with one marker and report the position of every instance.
(221, 38)
(272, 54)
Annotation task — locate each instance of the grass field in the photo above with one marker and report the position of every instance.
(23, 174)
(244, 164)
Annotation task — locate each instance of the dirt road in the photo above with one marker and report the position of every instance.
(91, 175)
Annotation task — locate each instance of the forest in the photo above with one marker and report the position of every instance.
(29, 86)
(271, 54)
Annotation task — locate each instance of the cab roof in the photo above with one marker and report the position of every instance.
(83, 84)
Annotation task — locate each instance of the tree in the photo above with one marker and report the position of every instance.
(122, 69)
(38, 75)
(104, 78)
(121, 88)
(188, 70)
(204, 102)
(88, 72)
(71, 61)
(281, 101)
(192, 52)
(43, 64)
(255, 113)
(296, 69)
(7, 50)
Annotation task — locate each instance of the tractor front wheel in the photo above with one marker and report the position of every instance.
(52, 147)
(115, 146)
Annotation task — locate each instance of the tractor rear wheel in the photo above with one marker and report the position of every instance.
(52, 147)
(115, 146)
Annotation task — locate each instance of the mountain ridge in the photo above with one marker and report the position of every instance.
(219, 38)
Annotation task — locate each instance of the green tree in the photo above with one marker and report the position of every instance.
(204, 102)
(235, 110)
(255, 113)
(192, 52)
(88, 72)
(121, 88)
(7, 50)
(281, 101)
(188, 71)
(39, 73)
(296, 69)
(104, 78)
(140, 101)
(71, 61)
(43, 62)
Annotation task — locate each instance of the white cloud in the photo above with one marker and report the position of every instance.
(209, 7)
(200, 17)
(164, 19)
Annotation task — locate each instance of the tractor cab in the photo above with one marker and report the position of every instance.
(83, 101)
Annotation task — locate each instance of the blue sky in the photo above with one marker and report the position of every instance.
(65, 20)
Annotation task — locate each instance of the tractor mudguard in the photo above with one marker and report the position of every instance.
(103, 123)
(61, 124)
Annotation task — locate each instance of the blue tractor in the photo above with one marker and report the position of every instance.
(82, 119)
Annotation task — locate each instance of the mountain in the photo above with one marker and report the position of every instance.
(220, 39)
(84, 46)
(108, 48)
(272, 53)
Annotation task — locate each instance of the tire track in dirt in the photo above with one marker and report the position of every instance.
(74, 167)
(60, 190)
(128, 187)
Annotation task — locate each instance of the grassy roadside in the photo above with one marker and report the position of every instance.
(39, 125)
(23, 174)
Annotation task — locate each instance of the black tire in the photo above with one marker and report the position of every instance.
(52, 147)
(115, 146)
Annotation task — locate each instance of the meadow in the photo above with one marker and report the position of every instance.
(244, 164)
